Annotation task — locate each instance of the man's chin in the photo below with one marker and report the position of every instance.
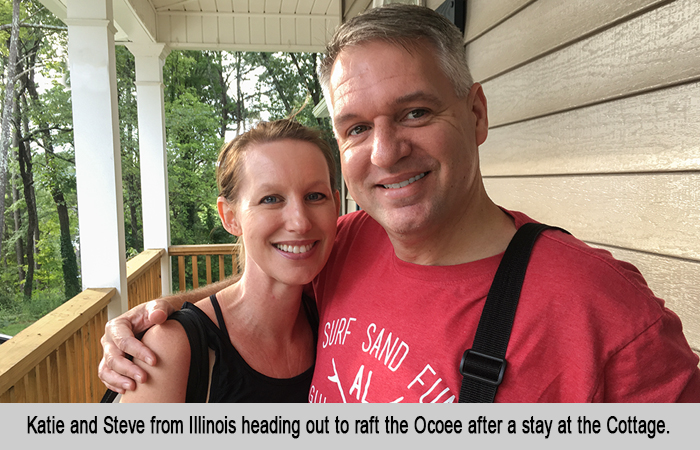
(403, 221)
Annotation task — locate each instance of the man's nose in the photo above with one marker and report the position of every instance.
(388, 147)
(297, 218)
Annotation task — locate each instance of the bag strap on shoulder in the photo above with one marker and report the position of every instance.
(484, 365)
(198, 380)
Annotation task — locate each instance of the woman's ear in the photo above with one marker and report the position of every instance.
(227, 214)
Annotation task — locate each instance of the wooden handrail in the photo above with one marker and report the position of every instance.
(143, 277)
(55, 358)
(142, 262)
(206, 249)
(220, 250)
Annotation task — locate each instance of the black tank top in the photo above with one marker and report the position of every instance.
(232, 379)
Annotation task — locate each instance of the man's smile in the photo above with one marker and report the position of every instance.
(405, 182)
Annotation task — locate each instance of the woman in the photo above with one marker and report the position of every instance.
(277, 194)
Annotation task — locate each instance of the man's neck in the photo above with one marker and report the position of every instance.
(480, 232)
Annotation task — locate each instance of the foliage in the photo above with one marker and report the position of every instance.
(128, 136)
(193, 147)
(16, 313)
(43, 121)
(289, 85)
(208, 97)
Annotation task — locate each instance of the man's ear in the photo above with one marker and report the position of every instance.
(477, 100)
(228, 217)
(336, 197)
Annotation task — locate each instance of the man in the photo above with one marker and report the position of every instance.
(403, 290)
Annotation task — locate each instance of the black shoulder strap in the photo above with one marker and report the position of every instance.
(311, 311)
(109, 396)
(484, 364)
(198, 381)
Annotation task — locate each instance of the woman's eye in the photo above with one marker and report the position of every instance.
(416, 114)
(315, 196)
(269, 200)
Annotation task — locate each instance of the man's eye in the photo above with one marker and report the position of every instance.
(269, 200)
(358, 130)
(315, 196)
(416, 114)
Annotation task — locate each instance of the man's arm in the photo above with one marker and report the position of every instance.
(115, 370)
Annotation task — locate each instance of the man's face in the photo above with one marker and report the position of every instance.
(408, 144)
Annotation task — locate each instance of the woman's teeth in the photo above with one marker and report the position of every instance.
(294, 248)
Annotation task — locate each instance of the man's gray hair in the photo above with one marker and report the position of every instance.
(407, 26)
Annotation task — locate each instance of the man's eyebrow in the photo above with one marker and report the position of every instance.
(417, 95)
(407, 98)
(345, 118)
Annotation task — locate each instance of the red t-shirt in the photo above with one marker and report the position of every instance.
(587, 326)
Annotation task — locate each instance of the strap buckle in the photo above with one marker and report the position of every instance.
(481, 367)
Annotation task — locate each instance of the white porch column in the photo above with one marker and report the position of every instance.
(97, 149)
(154, 162)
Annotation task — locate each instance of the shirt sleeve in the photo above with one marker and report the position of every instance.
(658, 366)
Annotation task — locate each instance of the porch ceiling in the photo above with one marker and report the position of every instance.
(236, 25)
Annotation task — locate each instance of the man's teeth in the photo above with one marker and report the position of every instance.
(404, 183)
(294, 248)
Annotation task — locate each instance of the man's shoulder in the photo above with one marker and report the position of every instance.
(357, 225)
(564, 253)
(566, 274)
(355, 219)
(559, 252)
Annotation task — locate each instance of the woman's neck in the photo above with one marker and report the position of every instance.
(263, 307)
(268, 326)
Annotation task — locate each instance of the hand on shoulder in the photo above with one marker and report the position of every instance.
(167, 381)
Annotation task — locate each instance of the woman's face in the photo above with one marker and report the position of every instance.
(286, 211)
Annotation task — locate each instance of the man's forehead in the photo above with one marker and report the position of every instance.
(353, 61)
(363, 51)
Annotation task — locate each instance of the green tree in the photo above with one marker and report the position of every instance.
(50, 133)
(207, 96)
(43, 269)
(193, 145)
(128, 135)
(289, 85)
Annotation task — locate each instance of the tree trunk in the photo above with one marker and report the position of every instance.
(276, 82)
(19, 243)
(225, 105)
(71, 278)
(69, 261)
(24, 155)
(239, 95)
(313, 87)
(7, 110)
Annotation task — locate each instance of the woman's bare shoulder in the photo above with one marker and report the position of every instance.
(167, 380)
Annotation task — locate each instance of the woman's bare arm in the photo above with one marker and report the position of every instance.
(115, 370)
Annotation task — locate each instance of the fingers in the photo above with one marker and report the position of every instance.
(120, 332)
(158, 311)
(112, 380)
(116, 371)
(131, 346)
